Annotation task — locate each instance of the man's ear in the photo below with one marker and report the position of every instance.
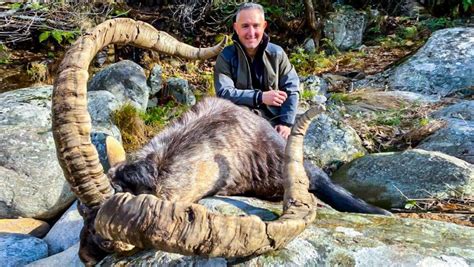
(234, 25)
(265, 24)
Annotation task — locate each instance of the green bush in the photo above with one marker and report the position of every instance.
(59, 36)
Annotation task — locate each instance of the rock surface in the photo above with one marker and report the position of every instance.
(68, 258)
(314, 84)
(309, 46)
(379, 178)
(181, 91)
(100, 105)
(65, 232)
(32, 183)
(331, 142)
(340, 239)
(345, 28)
(27, 226)
(19, 250)
(463, 110)
(443, 66)
(126, 80)
(456, 139)
(155, 81)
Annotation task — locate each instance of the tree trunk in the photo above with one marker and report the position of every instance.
(313, 24)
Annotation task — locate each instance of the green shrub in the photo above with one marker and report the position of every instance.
(310, 63)
(434, 24)
(307, 95)
(59, 36)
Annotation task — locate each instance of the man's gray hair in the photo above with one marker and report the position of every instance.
(246, 6)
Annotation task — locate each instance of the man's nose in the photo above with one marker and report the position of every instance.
(252, 31)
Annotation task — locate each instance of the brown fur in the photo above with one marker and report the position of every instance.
(215, 148)
(221, 148)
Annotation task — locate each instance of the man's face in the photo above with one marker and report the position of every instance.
(250, 26)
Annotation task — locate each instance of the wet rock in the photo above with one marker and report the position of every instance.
(345, 28)
(126, 80)
(32, 183)
(65, 232)
(443, 66)
(341, 239)
(28, 226)
(381, 178)
(330, 142)
(19, 250)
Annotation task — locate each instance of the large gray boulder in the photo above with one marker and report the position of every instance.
(463, 110)
(345, 28)
(329, 141)
(19, 249)
(126, 80)
(455, 139)
(382, 178)
(101, 105)
(32, 182)
(443, 66)
(65, 232)
(335, 239)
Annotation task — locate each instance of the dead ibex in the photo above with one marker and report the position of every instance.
(224, 148)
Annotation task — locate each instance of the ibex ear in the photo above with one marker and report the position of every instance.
(115, 151)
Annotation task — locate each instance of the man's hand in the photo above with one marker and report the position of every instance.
(273, 98)
(283, 130)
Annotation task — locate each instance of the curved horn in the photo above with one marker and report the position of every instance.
(71, 121)
(148, 222)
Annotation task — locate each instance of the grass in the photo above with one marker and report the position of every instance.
(344, 98)
(307, 95)
(310, 63)
(389, 118)
(138, 127)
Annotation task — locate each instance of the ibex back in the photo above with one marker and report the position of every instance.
(220, 148)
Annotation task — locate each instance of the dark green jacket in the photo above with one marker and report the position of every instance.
(233, 80)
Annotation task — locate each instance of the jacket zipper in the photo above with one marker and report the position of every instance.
(249, 74)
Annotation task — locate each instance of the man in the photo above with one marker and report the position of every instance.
(256, 73)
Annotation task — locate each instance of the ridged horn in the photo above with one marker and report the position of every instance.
(148, 222)
(71, 120)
